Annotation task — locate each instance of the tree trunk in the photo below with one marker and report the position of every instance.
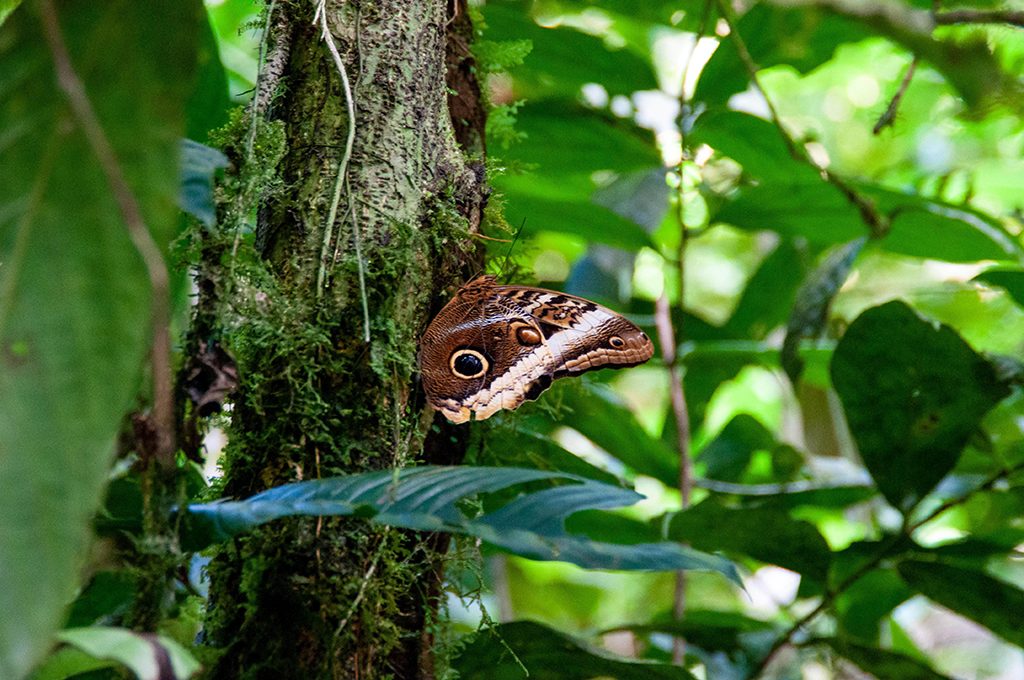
(332, 598)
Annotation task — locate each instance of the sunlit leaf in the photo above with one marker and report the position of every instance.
(150, 657)
(554, 66)
(913, 394)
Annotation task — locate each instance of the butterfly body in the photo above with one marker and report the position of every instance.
(493, 347)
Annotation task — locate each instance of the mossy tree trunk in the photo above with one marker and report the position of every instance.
(337, 598)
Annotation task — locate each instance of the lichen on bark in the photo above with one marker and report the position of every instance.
(337, 598)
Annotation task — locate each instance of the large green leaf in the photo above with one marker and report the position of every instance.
(524, 649)
(707, 629)
(74, 297)
(913, 393)
(566, 148)
(765, 534)
(727, 456)
(992, 603)
(884, 663)
(563, 59)
(429, 498)
(792, 198)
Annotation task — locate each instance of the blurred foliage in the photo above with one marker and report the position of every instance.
(848, 179)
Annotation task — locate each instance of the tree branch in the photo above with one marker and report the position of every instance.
(156, 268)
(889, 115)
(906, 531)
(972, 16)
(877, 223)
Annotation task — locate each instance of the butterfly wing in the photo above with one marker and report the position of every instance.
(494, 347)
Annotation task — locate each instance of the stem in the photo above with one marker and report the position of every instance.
(667, 339)
(968, 16)
(149, 251)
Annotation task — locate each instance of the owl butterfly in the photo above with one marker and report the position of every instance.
(493, 347)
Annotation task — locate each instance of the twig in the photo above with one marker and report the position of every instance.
(156, 268)
(667, 339)
(970, 16)
(877, 223)
(888, 117)
(906, 531)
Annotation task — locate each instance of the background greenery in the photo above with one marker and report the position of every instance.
(848, 310)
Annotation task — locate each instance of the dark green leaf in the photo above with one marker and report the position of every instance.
(813, 300)
(517, 446)
(913, 393)
(429, 498)
(769, 294)
(565, 150)
(707, 629)
(803, 37)
(765, 534)
(108, 594)
(74, 297)
(728, 454)
(884, 663)
(861, 608)
(1010, 279)
(563, 59)
(524, 649)
(971, 593)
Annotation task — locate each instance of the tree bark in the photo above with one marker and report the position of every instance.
(334, 598)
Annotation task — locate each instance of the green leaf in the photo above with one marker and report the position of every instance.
(708, 629)
(766, 534)
(563, 59)
(728, 454)
(813, 300)
(861, 608)
(150, 657)
(884, 663)
(769, 294)
(1010, 279)
(914, 394)
(600, 415)
(803, 38)
(566, 149)
(522, 649)
(971, 593)
(74, 297)
(429, 498)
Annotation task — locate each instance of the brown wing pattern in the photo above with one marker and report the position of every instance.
(493, 347)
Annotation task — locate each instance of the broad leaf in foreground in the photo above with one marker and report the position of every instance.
(430, 498)
(913, 392)
(995, 604)
(74, 296)
(513, 651)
